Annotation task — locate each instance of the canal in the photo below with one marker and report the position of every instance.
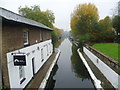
(69, 72)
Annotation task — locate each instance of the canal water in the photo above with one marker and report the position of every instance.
(69, 72)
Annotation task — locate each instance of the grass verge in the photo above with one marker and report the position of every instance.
(110, 49)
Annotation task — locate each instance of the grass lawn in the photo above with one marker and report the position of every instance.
(109, 49)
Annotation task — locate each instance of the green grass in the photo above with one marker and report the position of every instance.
(109, 49)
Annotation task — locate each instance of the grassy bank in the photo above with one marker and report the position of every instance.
(109, 49)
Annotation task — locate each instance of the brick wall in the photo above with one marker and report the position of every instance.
(46, 35)
(13, 36)
(11, 40)
(34, 34)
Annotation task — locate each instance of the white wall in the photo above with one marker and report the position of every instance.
(14, 70)
(111, 75)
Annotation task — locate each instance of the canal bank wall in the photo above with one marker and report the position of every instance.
(44, 82)
(96, 82)
(109, 73)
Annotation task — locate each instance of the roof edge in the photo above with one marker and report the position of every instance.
(21, 19)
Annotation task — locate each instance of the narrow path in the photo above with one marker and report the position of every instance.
(38, 78)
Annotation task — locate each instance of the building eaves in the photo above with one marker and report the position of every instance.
(18, 18)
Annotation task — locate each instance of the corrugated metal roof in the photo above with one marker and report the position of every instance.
(18, 18)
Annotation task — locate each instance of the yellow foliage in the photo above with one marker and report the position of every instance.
(88, 11)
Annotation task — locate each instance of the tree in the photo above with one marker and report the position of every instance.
(116, 24)
(106, 33)
(83, 21)
(106, 23)
(86, 27)
(45, 17)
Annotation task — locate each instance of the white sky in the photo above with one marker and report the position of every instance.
(61, 8)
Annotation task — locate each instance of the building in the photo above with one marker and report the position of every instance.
(26, 46)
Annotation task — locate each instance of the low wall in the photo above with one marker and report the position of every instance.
(45, 80)
(96, 82)
(109, 73)
(115, 65)
(39, 52)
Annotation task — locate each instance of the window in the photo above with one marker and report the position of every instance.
(21, 74)
(97, 61)
(42, 55)
(47, 50)
(40, 35)
(47, 35)
(50, 47)
(25, 37)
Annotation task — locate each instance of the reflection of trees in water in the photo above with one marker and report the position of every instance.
(51, 82)
(58, 43)
(77, 65)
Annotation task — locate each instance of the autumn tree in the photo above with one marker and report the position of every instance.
(84, 21)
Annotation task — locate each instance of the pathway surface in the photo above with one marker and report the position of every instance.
(36, 81)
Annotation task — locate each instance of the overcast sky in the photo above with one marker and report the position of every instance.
(61, 8)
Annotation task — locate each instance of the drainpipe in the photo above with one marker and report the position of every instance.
(1, 51)
(0, 75)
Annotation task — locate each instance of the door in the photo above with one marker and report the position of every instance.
(33, 66)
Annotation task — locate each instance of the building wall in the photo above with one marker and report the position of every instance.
(12, 35)
(46, 35)
(31, 52)
(34, 35)
(12, 39)
(111, 75)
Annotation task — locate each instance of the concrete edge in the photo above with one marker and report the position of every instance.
(96, 82)
(44, 82)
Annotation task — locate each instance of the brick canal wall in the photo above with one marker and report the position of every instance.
(108, 67)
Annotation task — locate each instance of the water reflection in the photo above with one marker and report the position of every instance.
(71, 73)
(77, 65)
(58, 43)
(51, 81)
